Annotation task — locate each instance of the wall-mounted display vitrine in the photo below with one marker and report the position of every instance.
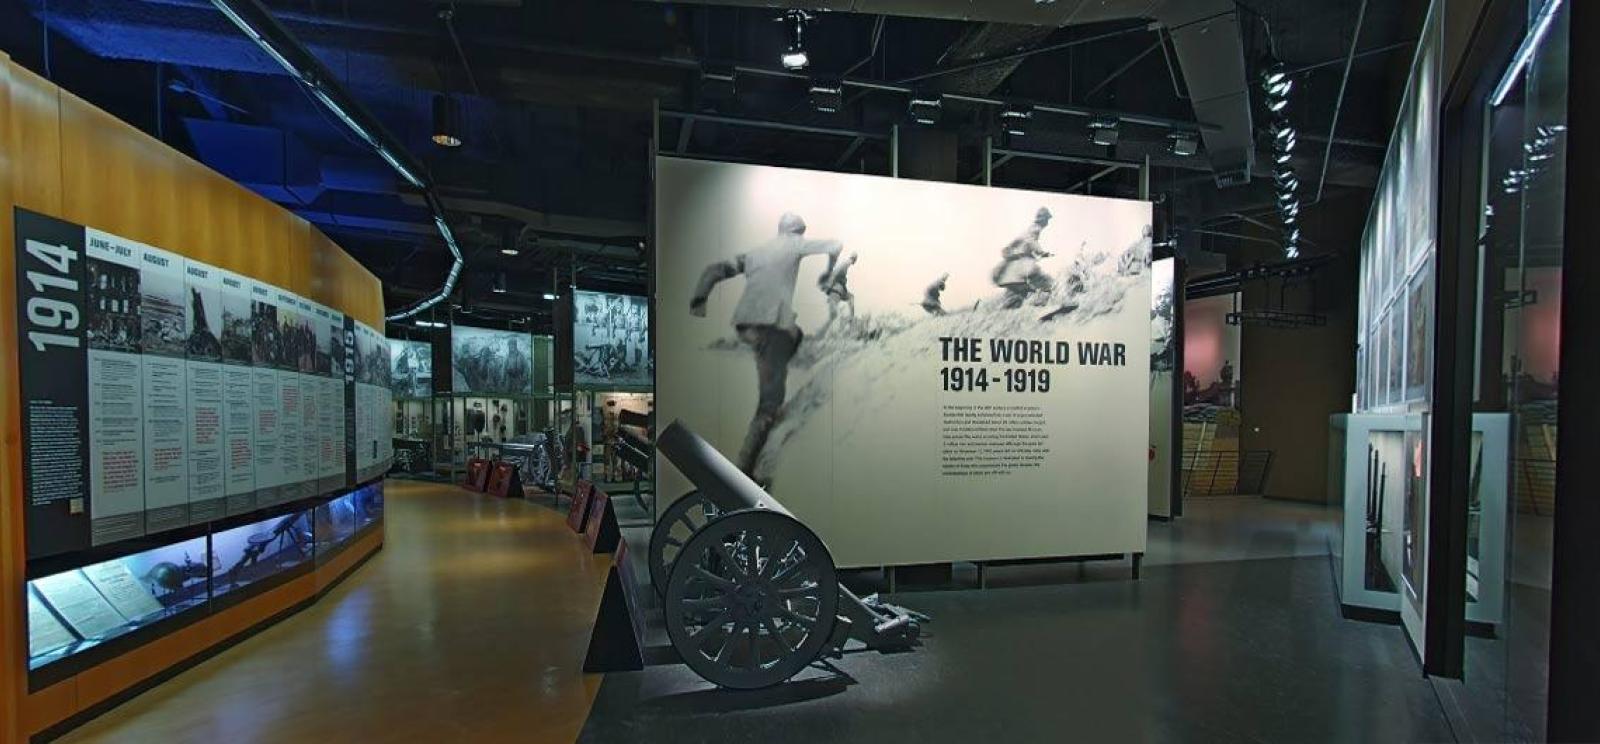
(74, 612)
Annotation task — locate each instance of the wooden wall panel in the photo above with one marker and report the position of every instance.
(116, 178)
(63, 157)
(33, 149)
(13, 633)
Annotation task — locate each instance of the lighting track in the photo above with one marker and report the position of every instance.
(258, 24)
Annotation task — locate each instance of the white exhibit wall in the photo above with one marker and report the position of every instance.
(871, 447)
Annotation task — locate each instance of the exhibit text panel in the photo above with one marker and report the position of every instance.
(921, 371)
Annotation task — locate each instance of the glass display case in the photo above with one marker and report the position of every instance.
(74, 611)
(246, 555)
(339, 520)
(1376, 472)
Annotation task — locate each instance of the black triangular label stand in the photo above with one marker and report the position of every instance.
(602, 530)
(616, 645)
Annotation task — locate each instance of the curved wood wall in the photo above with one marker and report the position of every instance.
(62, 157)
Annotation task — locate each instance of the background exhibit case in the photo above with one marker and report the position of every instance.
(970, 381)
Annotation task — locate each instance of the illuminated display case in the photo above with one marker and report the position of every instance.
(129, 599)
(77, 610)
(1375, 470)
(249, 554)
(339, 520)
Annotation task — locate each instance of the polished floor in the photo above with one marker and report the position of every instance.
(470, 626)
(1232, 635)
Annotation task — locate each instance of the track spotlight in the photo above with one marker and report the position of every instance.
(1104, 132)
(827, 96)
(510, 251)
(1183, 144)
(794, 55)
(1014, 119)
(550, 295)
(446, 121)
(498, 286)
(926, 109)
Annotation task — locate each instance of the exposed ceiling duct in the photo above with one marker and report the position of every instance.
(1206, 34)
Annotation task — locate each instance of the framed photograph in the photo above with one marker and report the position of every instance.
(1419, 333)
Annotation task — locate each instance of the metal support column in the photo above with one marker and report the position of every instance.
(894, 151)
(988, 161)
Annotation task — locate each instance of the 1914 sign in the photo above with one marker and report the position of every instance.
(53, 375)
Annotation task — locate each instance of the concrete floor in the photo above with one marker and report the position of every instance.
(1233, 634)
(471, 625)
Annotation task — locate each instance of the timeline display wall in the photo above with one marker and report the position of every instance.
(160, 392)
(923, 372)
(611, 340)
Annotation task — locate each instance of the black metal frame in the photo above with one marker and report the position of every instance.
(1575, 605)
(1180, 294)
(1461, 128)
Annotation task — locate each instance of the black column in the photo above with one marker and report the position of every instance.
(1575, 597)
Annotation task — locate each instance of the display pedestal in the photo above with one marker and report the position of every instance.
(601, 530)
(578, 510)
(617, 644)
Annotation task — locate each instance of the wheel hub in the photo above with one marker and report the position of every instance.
(750, 602)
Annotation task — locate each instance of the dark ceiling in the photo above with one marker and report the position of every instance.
(557, 98)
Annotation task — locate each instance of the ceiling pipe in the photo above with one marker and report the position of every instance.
(1333, 128)
(258, 24)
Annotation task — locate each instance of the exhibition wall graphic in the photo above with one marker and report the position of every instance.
(611, 340)
(1211, 353)
(487, 360)
(411, 368)
(1397, 247)
(160, 392)
(1163, 362)
(921, 371)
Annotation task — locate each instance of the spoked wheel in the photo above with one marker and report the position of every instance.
(751, 599)
(539, 469)
(689, 513)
